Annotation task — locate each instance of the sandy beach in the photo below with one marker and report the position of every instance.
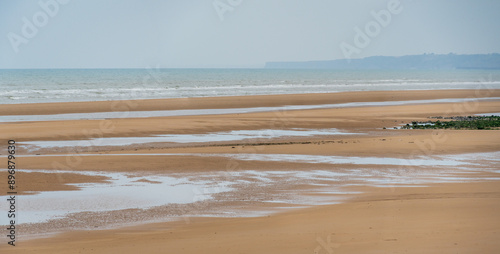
(333, 179)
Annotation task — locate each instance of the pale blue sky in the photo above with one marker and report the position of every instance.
(190, 33)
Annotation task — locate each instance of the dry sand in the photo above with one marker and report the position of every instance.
(443, 218)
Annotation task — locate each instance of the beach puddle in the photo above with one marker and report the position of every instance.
(124, 191)
(431, 161)
(301, 158)
(488, 114)
(236, 135)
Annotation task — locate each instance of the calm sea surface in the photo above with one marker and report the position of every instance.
(63, 85)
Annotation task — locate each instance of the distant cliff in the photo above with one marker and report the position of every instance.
(426, 61)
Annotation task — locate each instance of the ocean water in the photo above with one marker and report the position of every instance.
(64, 85)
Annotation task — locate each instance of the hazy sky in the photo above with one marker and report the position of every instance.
(238, 33)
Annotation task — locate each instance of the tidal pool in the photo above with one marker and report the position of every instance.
(235, 135)
(122, 191)
(125, 190)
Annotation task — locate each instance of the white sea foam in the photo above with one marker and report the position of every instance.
(37, 86)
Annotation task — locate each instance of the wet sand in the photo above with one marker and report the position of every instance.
(448, 218)
(445, 217)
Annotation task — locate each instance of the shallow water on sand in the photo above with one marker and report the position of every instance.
(122, 191)
(235, 135)
(135, 191)
(193, 112)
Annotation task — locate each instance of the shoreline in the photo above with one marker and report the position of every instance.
(255, 95)
(247, 101)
